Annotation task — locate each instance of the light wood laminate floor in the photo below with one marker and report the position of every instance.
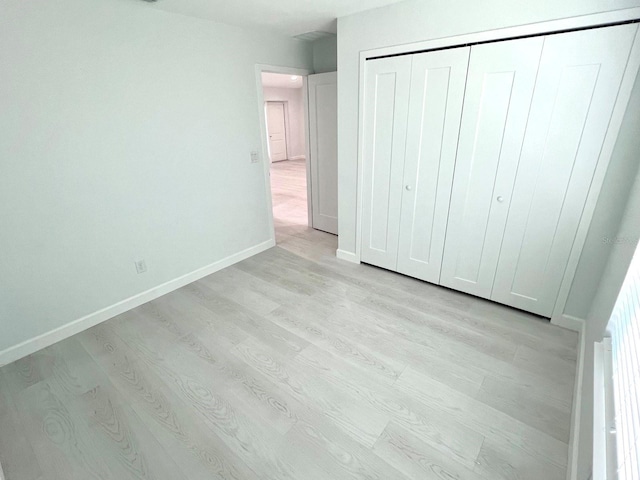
(295, 365)
(289, 194)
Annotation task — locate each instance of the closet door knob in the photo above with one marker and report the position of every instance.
(500, 199)
(408, 187)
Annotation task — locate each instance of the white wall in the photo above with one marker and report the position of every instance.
(126, 132)
(296, 146)
(325, 55)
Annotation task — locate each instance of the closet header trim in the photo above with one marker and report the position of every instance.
(516, 37)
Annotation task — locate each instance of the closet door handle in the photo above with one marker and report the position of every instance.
(408, 187)
(500, 199)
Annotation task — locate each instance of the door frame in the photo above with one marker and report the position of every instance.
(541, 28)
(285, 109)
(266, 161)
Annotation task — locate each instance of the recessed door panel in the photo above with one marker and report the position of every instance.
(437, 92)
(499, 89)
(578, 82)
(385, 112)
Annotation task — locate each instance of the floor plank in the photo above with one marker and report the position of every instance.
(16, 452)
(483, 418)
(417, 459)
(203, 454)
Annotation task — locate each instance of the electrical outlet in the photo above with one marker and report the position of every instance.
(255, 158)
(141, 266)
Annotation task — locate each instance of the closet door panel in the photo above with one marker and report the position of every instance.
(578, 82)
(437, 92)
(499, 89)
(386, 105)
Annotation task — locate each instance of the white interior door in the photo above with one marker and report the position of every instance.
(578, 82)
(500, 84)
(437, 91)
(277, 131)
(386, 106)
(323, 146)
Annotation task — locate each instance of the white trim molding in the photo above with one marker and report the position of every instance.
(347, 256)
(45, 340)
(604, 436)
(569, 322)
(578, 325)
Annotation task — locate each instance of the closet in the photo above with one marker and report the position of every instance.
(412, 132)
(478, 160)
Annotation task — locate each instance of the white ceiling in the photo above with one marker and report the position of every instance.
(290, 17)
(281, 81)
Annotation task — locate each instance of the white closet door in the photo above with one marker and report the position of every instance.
(323, 145)
(578, 82)
(386, 104)
(500, 85)
(437, 92)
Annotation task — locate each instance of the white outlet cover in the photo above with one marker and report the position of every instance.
(255, 158)
(141, 266)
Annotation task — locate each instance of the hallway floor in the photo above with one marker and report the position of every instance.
(289, 193)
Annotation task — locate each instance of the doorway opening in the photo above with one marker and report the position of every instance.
(298, 121)
(285, 117)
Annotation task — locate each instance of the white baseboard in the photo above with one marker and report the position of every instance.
(569, 322)
(574, 437)
(30, 346)
(298, 157)
(348, 256)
